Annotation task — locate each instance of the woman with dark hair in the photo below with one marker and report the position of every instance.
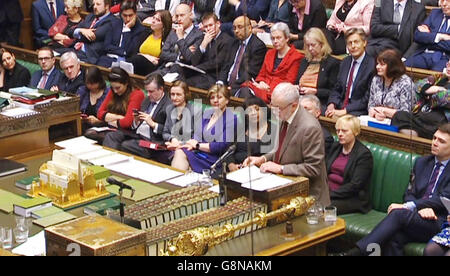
(117, 108)
(147, 60)
(391, 90)
(257, 133)
(212, 137)
(12, 74)
(92, 95)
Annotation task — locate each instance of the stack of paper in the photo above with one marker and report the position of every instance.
(244, 175)
(34, 246)
(185, 180)
(144, 171)
(78, 142)
(18, 112)
(259, 181)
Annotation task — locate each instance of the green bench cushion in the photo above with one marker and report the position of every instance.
(32, 67)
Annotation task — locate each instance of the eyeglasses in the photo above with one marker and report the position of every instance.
(44, 58)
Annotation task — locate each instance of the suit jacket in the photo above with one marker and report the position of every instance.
(329, 68)
(159, 116)
(103, 28)
(172, 46)
(358, 17)
(42, 19)
(227, 12)
(360, 94)
(252, 61)
(303, 154)
(52, 80)
(20, 76)
(11, 11)
(354, 191)
(317, 17)
(423, 168)
(183, 128)
(426, 40)
(255, 9)
(215, 56)
(384, 33)
(71, 86)
(286, 72)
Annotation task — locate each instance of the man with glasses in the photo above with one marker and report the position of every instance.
(245, 57)
(300, 149)
(49, 75)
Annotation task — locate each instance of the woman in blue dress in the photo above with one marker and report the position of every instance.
(440, 244)
(212, 136)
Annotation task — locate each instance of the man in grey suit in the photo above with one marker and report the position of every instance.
(393, 24)
(300, 150)
(182, 42)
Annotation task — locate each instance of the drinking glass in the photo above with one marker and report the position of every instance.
(330, 213)
(6, 237)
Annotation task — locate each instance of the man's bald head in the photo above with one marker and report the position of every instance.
(242, 27)
(183, 15)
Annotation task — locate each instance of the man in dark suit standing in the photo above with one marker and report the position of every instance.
(422, 214)
(393, 26)
(11, 17)
(43, 15)
(181, 43)
(351, 92)
(210, 56)
(127, 36)
(301, 150)
(245, 57)
(92, 32)
(433, 37)
(148, 123)
(49, 76)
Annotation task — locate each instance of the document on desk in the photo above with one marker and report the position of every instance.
(242, 175)
(18, 112)
(96, 153)
(266, 183)
(143, 171)
(34, 246)
(185, 180)
(115, 158)
(78, 142)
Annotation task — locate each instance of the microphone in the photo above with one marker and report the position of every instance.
(122, 185)
(229, 151)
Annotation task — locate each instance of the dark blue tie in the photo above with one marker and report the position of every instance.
(444, 26)
(433, 180)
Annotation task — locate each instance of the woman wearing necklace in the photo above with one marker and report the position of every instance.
(257, 134)
(318, 70)
(211, 137)
(349, 168)
(348, 14)
(92, 95)
(391, 90)
(147, 60)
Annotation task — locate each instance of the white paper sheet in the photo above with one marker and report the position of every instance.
(34, 246)
(242, 175)
(143, 171)
(18, 111)
(78, 142)
(185, 180)
(268, 182)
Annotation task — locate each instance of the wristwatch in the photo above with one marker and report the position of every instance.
(282, 169)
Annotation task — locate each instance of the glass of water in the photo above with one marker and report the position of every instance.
(6, 237)
(205, 178)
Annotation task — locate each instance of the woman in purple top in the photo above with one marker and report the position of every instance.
(212, 137)
(349, 168)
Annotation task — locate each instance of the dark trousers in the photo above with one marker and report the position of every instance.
(427, 61)
(397, 229)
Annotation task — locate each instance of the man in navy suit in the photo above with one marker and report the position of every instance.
(422, 214)
(49, 76)
(127, 36)
(433, 37)
(351, 92)
(91, 33)
(43, 15)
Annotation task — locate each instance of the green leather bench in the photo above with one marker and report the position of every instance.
(32, 67)
(390, 179)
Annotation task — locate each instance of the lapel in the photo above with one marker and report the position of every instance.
(361, 72)
(443, 177)
(47, 9)
(351, 159)
(284, 60)
(406, 14)
(159, 106)
(290, 131)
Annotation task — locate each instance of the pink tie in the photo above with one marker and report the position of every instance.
(43, 81)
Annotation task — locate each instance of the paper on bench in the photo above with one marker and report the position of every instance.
(266, 183)
(242, 176)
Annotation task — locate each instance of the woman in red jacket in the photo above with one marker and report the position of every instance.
(117, 108)
(281, 64)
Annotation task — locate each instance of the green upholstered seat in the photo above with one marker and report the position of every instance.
(390, 179)
(32, 67)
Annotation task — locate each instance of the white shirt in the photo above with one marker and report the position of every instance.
(161, 5)
(401, 9)
(355, 72)
(144, 128)
(235, 57)
(217, 7)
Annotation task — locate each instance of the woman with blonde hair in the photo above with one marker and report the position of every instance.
(59, 32)
(349, 167)
(318, 71)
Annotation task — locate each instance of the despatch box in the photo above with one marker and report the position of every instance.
(275, 198)
(94, 235)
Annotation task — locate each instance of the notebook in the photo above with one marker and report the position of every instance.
(8, 167)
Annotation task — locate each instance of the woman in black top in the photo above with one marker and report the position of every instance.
(257, 136)
(14, 74)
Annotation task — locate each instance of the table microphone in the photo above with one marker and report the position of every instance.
(122, 185)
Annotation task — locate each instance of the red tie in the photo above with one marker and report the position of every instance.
(283, 131)
(349, 84)
(43, 81)
(52, 8)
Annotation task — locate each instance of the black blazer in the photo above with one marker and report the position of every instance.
(19, 76)
(357, 175)
(254, 54)
(214, 57)
(385, 34)
(328, 72)
(423, 168)
(159, 116)
(11, 10)
(360, 94)
(317, 17)
(71, 86)
(172, 46)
